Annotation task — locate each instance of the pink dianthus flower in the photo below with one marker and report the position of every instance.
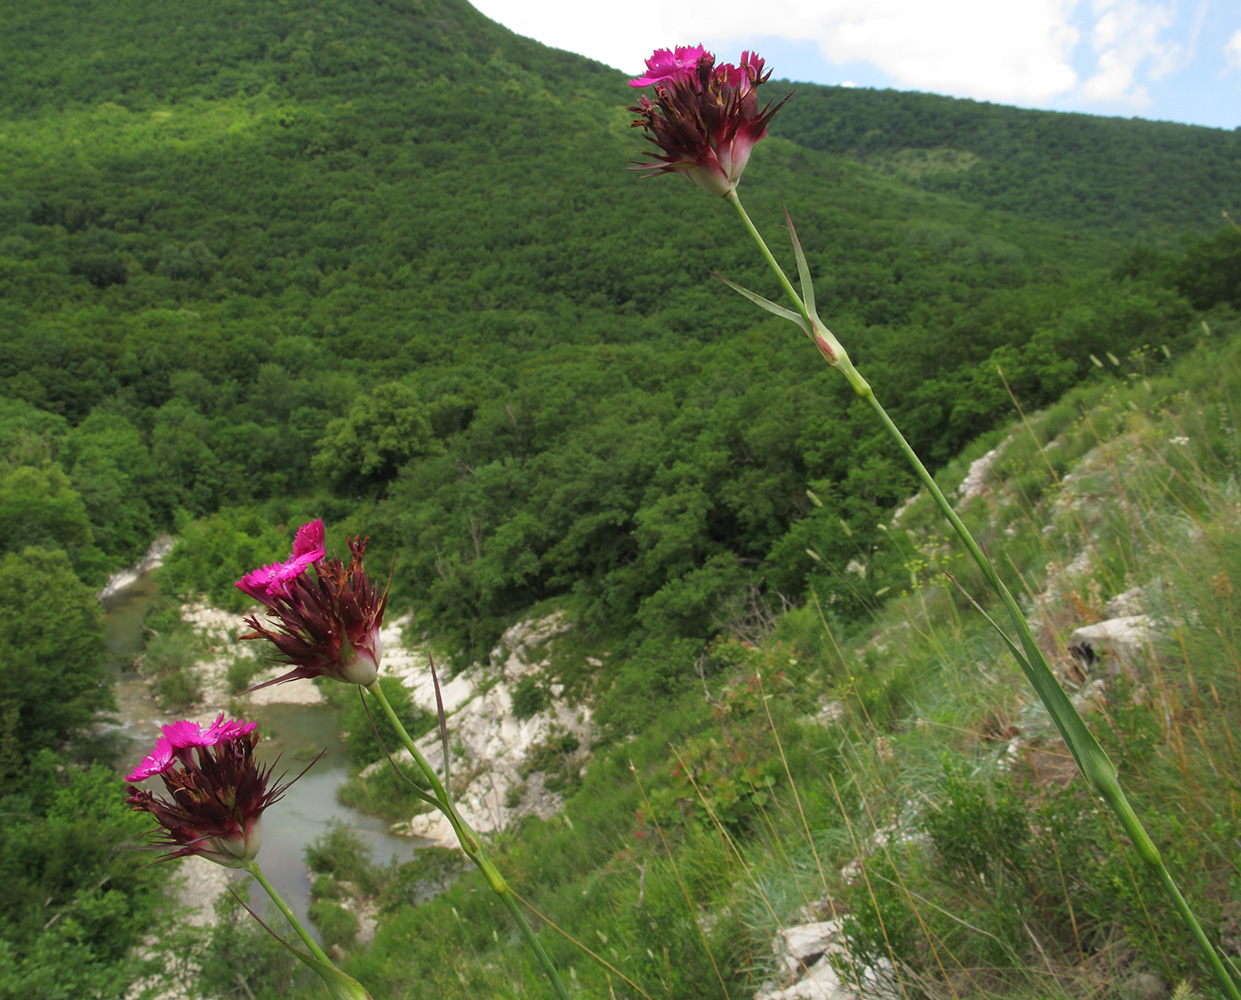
(179, 737)
(216, 792)
(705, 119)
(665, 65)
(268, 582)
(325, 625)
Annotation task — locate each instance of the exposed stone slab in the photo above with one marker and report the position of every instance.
(1122, 643)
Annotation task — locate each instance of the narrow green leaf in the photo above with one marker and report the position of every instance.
(767, 304)
(443, 721)
(803, 270)
(1012, 646)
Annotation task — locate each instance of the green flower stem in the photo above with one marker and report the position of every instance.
(252, 867)
(789, 290)
(815, 328)
(472, 844)
(1089, 755)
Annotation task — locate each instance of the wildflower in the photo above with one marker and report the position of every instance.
(267, 582)
(216, 792)
(326, 625)
(705, 118)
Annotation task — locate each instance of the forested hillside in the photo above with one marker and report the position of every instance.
(340, 256)
(1142, 180)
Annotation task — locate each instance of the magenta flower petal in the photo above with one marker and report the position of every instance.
(267, 582)
(665, 64)
(257, 581)
(156, 762)
(184, 734)
(309, 541)
(222, 730)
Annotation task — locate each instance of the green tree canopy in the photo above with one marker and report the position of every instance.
(383, 431)
(53, 676)
(39, 507)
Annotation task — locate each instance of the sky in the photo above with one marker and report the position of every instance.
(1168, 60)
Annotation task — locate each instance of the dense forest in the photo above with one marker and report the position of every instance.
(382, 262)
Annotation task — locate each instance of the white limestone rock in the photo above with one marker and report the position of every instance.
(1121, 643)
(490, 748)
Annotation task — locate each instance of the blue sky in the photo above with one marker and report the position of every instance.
(1158, 59)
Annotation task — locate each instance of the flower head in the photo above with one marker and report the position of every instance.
(705, 119)
(326, 625)
(268, 582)
(216, 792)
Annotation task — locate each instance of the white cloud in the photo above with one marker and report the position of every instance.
(978, 48)
(1232, 51)
(1128, 39)
(1003, 51)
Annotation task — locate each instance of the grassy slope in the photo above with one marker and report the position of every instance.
(988, 870)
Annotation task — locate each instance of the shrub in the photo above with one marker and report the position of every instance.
(241, 672)
(338, 926)
(529, 697)
(177, 690)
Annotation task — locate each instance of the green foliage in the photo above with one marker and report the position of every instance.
(337, 925)
(343, 864)
(240, 959)
(340, 853)
(172, 650)
(1080, 170)
(977, 830)
(178, 690)
(213, 553)
(557, 759)
(653, 676)
(1211, 270)
(171, 656)
(241, 672)
(723, 779)
(76, 902)
(39, 507)
(530, 697)
(360, 726)
(381, 433)
(111, 469)
(385, 793)
(432, 870)
(51, 643)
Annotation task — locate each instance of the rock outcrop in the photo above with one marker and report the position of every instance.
(491, 750)
(815, 964)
